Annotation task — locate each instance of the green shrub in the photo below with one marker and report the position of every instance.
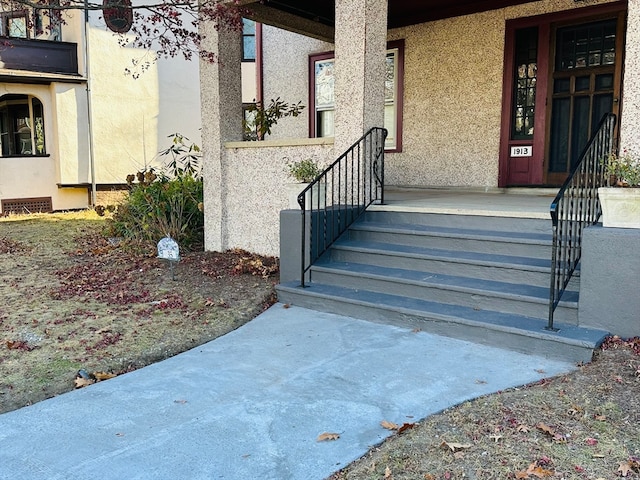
(166, 203)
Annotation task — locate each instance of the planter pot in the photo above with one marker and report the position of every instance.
(294, 189)
(620, 207)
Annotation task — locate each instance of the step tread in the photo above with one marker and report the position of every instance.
(531, 326)
(539, 264)
(465, 233)
(452, 282)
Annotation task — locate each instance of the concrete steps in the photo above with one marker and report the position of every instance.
(483, 279)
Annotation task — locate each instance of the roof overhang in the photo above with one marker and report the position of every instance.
(317, 19)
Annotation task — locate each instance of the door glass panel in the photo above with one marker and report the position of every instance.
(586, 46)
(582, 83)
(604, 82)
(580, 127)
(561, 85)
(525, 79)
(602, 104)
(559, 135)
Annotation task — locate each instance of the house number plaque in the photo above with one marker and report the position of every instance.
(522, 151)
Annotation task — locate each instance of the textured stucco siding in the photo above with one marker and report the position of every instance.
(452, 93)
(255, 192)
(286, 75)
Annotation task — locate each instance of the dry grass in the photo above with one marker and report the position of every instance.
(584, 425)
(71, 301)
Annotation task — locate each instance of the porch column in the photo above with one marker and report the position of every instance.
(630, 116)
(221, 103)
(360, 49)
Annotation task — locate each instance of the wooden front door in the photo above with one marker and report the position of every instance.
(563, 72)
(584, 86)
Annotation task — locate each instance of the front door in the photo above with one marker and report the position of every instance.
(563, 72)
(585, 85)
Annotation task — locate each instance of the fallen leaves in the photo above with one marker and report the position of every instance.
(326, 436)
(551, 432)
(454, 446)
(536, 469)
(84, 378)
(630, 466)
(21, 345)
(398, 428)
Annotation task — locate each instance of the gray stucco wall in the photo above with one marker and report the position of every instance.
(610, 280)
(285, 75)
(255, 192)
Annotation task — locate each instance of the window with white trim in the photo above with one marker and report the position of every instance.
(323, 99)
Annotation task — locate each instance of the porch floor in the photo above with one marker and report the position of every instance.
(513, 202)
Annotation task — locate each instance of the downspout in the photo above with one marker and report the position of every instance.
(92, 166)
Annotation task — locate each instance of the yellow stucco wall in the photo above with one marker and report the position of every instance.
(131, 118)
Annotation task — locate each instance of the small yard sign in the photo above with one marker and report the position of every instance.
(168, 250)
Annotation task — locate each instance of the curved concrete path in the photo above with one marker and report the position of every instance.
(251, 404)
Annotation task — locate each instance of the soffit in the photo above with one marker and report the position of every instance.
(401, 12)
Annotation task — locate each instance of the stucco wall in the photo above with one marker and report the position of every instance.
(131, 118)
(285, 75)
(255, 190)
(452, 93)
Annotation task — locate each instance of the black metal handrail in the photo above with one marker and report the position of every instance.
(340, 194)
(575, 207)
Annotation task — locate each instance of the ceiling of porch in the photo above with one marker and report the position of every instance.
(317, 18)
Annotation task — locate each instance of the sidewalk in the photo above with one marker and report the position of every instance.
(251, 404)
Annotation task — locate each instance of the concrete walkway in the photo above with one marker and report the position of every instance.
(251, 404)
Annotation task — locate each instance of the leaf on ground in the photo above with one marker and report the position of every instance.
(389, 425)
(326, 436)
(496, 438)
(104, 376)
(454, 447)
(591, 441)
(523, 428)
(545, 429)
(83, 382)
(538, 471)
(405, 426)
(630, 466)
(387, 472)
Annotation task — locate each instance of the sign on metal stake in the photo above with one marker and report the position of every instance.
(168, 250)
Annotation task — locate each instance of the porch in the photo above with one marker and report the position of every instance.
(468, 264)
(493, 202)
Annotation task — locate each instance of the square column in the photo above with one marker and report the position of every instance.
(221, 104)
(360, 52)
(630, 116)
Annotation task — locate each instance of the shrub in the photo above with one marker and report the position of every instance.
(164, 203)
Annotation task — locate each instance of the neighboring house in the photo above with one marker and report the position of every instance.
(73, 123)
(485, 95)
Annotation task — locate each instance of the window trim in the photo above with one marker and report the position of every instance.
(255, 39)
(398, 45)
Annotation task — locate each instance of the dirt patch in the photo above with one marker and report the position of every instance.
(584, 425)
(71, 301)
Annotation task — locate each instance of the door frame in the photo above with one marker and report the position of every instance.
(546, 49)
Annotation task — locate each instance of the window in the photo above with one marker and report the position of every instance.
(14, 24)
(32, 23)
(524, 81)
(21, 126)
(322, 103)
(248, 40)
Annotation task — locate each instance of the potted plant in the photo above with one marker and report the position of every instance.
(621, 199)
(304, 172)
